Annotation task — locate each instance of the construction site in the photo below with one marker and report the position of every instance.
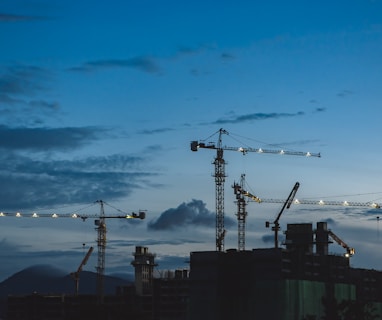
(295, 278)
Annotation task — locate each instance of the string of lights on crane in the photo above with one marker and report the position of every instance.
(69, 215)
(373, 205)
(122, 215)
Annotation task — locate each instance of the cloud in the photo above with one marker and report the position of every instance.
(44, 139)
(167, 262)
(41, 104)
(6, 17)
(227, 56)
(144, 64)
(155, 131)
(189, 214)
(20, 87)
(258, 116)
(22, 79)
(268, 238)
(50, 183)
(344, 93)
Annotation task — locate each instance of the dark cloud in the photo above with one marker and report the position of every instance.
(41, 104)
(344, 93)
(144, 64)
(37, 183)
(189, 214)
(258, 116)
(155, 131)
(22, 80)
(183, 50)
(6, 17)
(20, 87)
(227, 56)
(44, 139)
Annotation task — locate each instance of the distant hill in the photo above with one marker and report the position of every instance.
(46, 279)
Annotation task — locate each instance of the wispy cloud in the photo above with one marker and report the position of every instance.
(41, 183)
(44, 139)
(20, 90)
(6, 17)
(22, 80)
(155, 131)
(344, 93)
(145, 64)
(227, 56)
(257, 116)
(193, 214)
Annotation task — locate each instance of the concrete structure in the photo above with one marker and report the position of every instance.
(171, 295)
(144, 263)
(292, 283)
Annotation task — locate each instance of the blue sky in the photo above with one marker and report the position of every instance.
(101, 100)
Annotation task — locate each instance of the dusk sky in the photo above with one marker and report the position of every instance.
(99, 100)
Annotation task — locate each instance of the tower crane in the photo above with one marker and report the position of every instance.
(241, 209)
(76, 274)
(287, 204)
(349, 251)
(239, 191)
(101, 241)
(220, 176)
(100, 222)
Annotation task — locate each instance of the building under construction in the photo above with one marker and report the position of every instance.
(301, 281)
(297, 282)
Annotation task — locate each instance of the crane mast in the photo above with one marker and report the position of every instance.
(241, 209)
(287, 204)
(241, 213)
(220, 175)
(101, 244)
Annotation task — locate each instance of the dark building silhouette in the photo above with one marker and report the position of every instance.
(301, 281)
(292, 283)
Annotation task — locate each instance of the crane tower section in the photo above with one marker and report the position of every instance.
(220, 175)
(241, 214)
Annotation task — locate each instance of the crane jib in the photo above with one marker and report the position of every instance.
(195, 145)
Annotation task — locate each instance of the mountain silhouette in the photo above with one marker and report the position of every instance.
(46, 279)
